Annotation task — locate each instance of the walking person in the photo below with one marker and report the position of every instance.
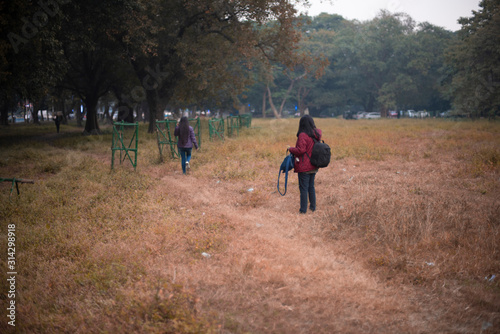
(306, 171)
(185, 143)
(57, 119)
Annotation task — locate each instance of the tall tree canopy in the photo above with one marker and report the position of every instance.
(180, 51)
(387, 63)
(29, 65)
(475, 59)
(183, 51)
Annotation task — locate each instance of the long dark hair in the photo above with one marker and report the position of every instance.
(183, 130)
(307, 126)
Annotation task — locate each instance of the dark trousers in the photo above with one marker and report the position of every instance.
(185, 154)
(306, 186)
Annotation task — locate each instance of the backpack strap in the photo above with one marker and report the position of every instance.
(315, 141)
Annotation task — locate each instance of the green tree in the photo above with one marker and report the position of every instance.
(94, 58)
(475, 60)
(27, 51)
(316, 44)
(329, 93)
(427, 68)
(381, 56)
(386, 63)
(203, 50)
(291, 83)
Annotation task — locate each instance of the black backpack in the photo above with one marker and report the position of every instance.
(321, 154)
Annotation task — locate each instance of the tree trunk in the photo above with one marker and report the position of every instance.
(107, 116)
(153, 102)
(264, 104)
(4, 114)
(369, 104)
(92, 124)
(292, 83)
(34, 112)
(273, 108)
(302, 94)
(61, 107)
(383, 111)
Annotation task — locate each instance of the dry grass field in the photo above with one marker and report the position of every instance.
(405, 239)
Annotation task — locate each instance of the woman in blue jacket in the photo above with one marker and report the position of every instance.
(306, 171)
(186, 141)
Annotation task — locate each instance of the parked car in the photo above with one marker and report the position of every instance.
(372, 115)
(16, 119)
(359, 115)
(422, 114)
(411, 113)
(392, 114)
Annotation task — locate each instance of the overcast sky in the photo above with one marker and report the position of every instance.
(443, 13)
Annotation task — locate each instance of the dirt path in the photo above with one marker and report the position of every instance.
(277, 273)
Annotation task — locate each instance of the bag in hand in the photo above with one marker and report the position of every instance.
(287, 164)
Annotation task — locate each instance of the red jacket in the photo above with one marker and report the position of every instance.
(304, 145)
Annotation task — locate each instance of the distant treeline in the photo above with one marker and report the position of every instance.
(393, 63)
(140, 57)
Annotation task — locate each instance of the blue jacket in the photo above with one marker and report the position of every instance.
(191, 138)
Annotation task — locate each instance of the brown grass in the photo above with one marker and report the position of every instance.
(406, 230)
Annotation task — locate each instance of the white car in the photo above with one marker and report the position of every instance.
(359, 115)
(372, 115)
(411, 113)
(422, 114)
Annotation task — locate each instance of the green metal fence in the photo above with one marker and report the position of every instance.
(216, 128)
(118, 143)
(15, 183)
(233, 126)
(246, 120)
(165, 136)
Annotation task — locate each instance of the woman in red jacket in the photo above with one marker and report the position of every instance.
(306, 171)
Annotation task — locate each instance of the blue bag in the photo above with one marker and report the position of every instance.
(287, 165)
